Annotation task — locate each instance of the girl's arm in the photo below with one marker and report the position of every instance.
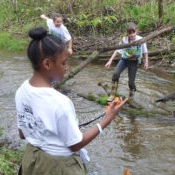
(108, 64)
(44, 17)
(89, 135)
(146, 61)
(70, 51)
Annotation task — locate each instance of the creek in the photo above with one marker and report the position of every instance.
(140, 141)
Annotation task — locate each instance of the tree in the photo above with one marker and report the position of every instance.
(160, 8)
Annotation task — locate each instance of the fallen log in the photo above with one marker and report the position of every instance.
(77, 69)
(106, 56)
(96, 53)
(141, 41)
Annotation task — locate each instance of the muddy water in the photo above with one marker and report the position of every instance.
(141, 142)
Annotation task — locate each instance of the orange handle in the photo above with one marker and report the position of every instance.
(126, 172)
(117, 99)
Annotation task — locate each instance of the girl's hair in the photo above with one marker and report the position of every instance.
(131, 27)
(43, 45)
(57, 15)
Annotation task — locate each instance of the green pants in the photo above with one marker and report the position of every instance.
(37, 162)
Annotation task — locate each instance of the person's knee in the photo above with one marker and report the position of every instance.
(115, 77)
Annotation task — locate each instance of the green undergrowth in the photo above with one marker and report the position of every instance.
(10, 161)
(89, 18)
(102, 100)
(11, 43)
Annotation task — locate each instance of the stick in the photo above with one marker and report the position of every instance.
(84, 124)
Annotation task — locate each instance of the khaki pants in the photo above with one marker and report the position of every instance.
(37, 162)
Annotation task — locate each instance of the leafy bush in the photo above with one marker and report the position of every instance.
(11, 43)
(83, 17)
(10, 161)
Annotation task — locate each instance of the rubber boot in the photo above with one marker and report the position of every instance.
(113, 91)
(131, 92)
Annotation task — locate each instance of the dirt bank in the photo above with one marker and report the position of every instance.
(165, 62)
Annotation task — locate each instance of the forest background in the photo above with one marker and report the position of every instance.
(83, 18)
(97, 18)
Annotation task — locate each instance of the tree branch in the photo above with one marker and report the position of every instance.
(139, 42)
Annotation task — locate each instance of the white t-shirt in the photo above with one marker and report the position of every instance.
(133, 52)
(60, 32)
(47, 119)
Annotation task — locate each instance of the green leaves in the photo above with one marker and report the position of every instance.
(103, 17)
(10, 161)
(93, 24)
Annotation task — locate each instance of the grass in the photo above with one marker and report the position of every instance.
(83, 17)
(11, 44)
(102, 100)
(10, 161)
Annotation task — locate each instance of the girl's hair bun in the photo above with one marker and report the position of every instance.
(37, 33)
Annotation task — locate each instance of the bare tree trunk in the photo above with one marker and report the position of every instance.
(160, 8)
(15, 2)
(71, 4)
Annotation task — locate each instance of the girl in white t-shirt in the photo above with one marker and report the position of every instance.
(57, 28)
(46, 118)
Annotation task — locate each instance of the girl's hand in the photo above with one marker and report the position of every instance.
(114, 108)
(108, 64)
(43, 16)
(146, 65)
(70, 51)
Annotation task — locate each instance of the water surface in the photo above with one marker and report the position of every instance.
(142, 143)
